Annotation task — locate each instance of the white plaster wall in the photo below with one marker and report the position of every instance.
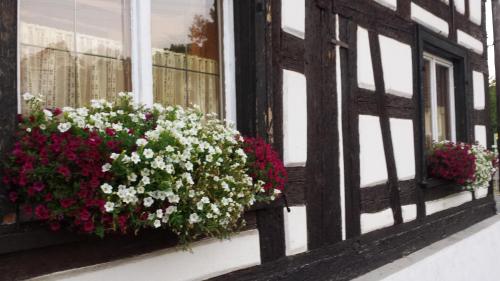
(378, 220)
(373, 168)
(404, 148)
(391, 4)
(475, 11)
(409, 212)
(339, 123)
(469, 255)
(469, 42)
(479, 93)
(293, 15)
(429, 20)
(447, 202)
(364, 57)
(460, 6)
(481, 192)
(229, 62)
(397, 66)
(295, 230)
(209, 258)
(480, 134)
(294, 119)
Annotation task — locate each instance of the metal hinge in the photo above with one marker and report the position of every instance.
(339, 43)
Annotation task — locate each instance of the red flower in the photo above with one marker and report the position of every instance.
(88, 226)
(110, 132)
(13, 196)
(56, 111)
(63, 170)
(67, 202)
(55, 226)
(42, 212)
(38, 186)
(84, 215)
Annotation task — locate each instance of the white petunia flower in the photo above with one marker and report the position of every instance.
(28, 96)
(148, 201)
(48, 114)
(141, 142)
(132, 177)
(114, 156)
(159, 213)
(173, 198)
(157, 223)
(64, 127)
(170, 210)
(135, 158)
(106, 188)
(148, 153)
(194, 218)
(109, 206)
(106, 167)
(145, 180)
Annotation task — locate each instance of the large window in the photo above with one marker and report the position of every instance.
(74, 51)
(166, 51)
(439, 100)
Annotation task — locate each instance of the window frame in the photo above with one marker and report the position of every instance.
(142, 62)
(444, 48)
(433, 62)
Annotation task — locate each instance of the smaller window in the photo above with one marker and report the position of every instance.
(439, 100)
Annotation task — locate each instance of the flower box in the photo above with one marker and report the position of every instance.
(117, 167)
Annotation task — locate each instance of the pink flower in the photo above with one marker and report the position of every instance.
(42, 212)
(38, 186)
(63, 170)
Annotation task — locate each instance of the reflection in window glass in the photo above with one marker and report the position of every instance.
(442, 95)
(72, 51)
(185, 47)
(427, 104)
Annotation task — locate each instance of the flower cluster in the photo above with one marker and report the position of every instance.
(471, 166)
(123, 167)
(265, 164)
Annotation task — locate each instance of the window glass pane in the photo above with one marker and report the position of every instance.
(443, 110)
(427, 104)
(72, 51)
(185, 43)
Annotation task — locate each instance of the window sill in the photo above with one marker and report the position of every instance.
(432, 183)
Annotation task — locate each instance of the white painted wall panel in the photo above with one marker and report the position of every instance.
(293, 15)
(391, 4)
(481, 192)
(447, 202)
(479, 93)
(295, 230)
(480, 134)
(469, 255)
(460, 6)
(294, 118)
(364, 57)
(475, 11)
(209, 258)
(429, 20)
(374, 221)
(404, 148)
(397, 67)
(409, 212)
(373, 168)
(229, 62)
(469, 42)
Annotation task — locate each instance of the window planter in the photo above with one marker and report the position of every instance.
(120, 167)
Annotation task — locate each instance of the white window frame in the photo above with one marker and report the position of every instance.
(433, 61)
(142, 62)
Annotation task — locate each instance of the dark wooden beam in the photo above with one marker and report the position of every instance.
(322, 170)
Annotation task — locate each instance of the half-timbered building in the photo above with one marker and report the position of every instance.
(350, 92)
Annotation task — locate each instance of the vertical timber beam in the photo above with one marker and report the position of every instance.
(322, 169)
(254, 72)
(495, 5)
(8, 83)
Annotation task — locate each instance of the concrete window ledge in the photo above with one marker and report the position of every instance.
(471, 254)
